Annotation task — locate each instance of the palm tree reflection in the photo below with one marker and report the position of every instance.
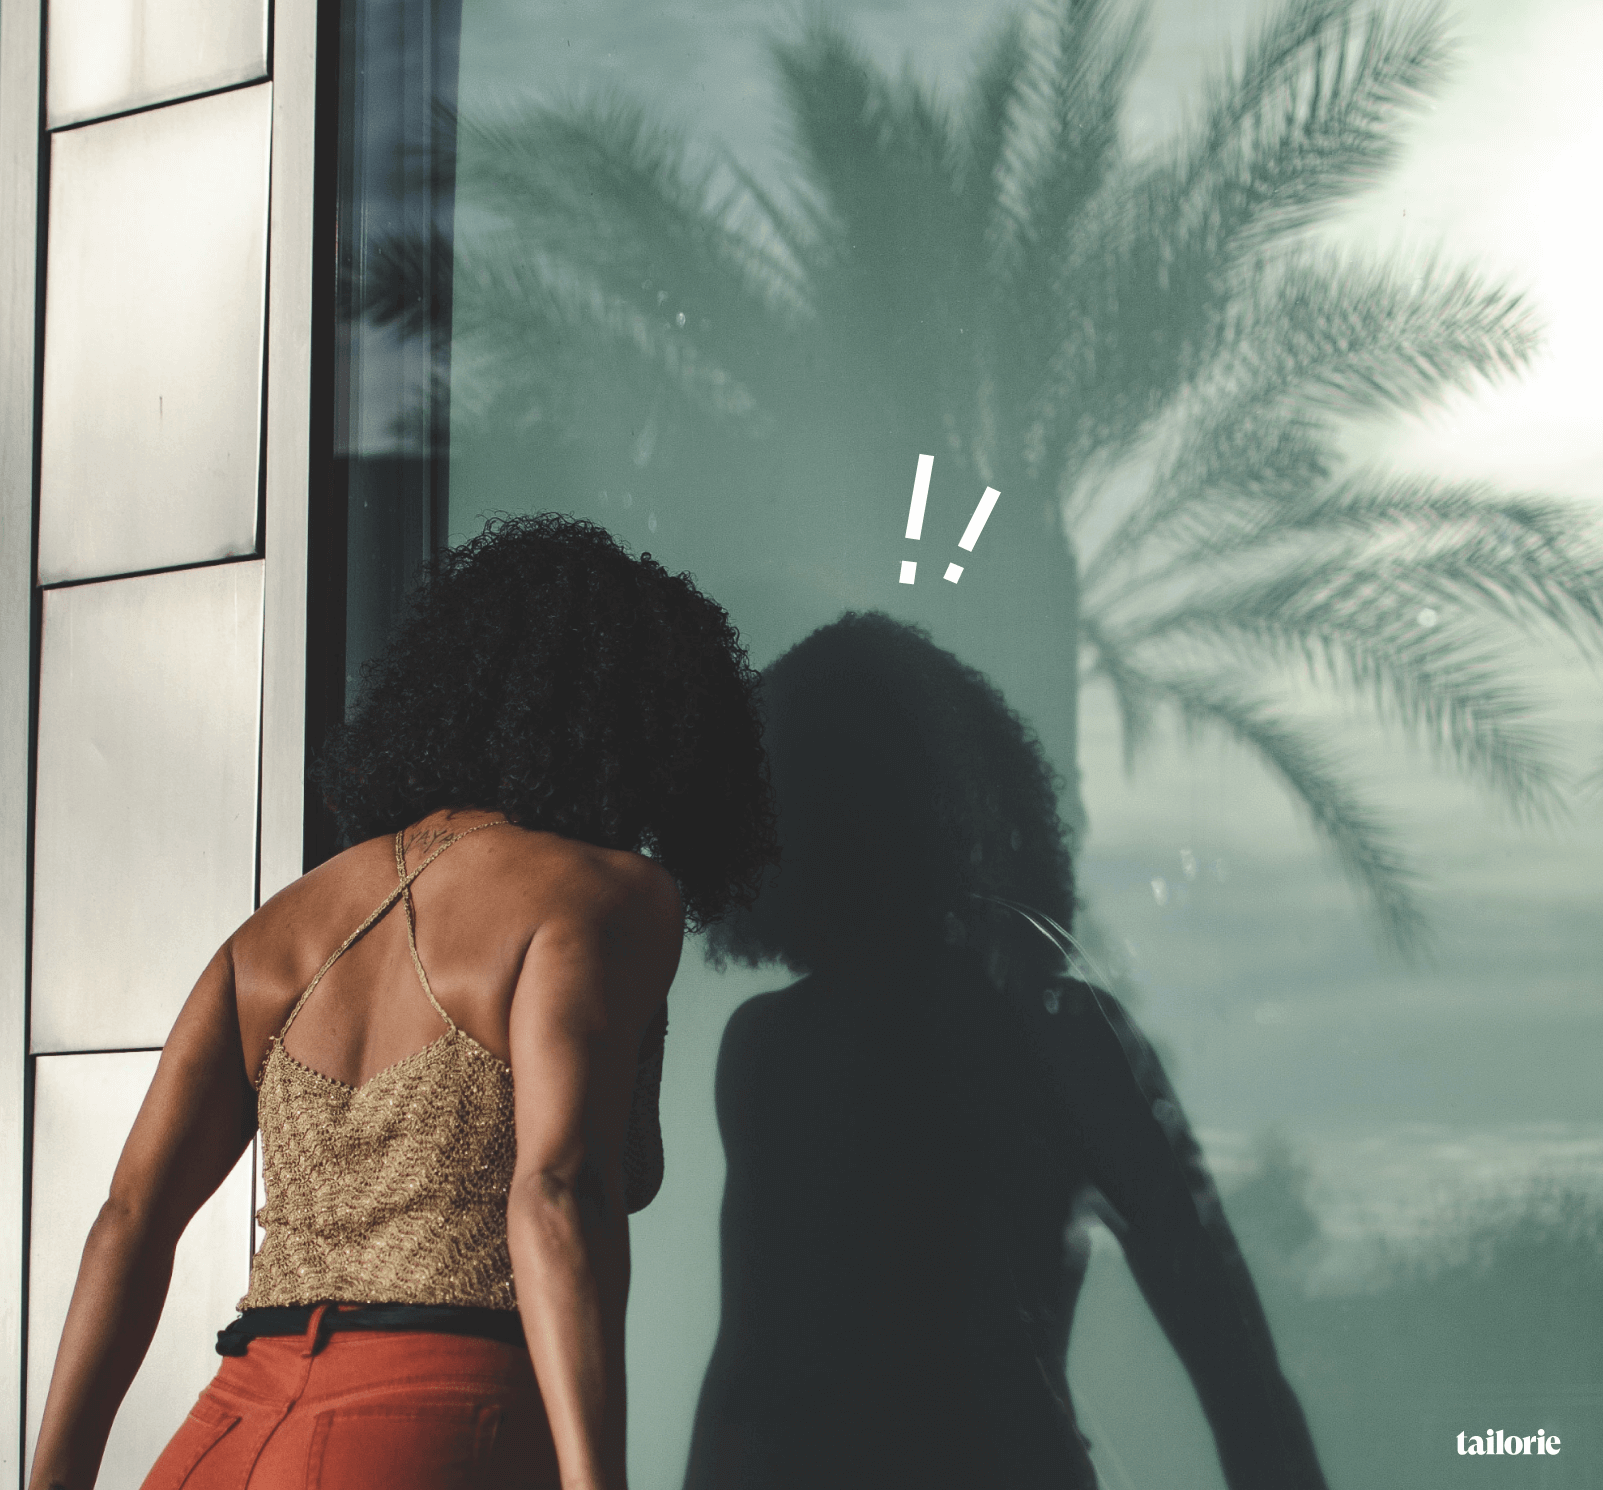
(1143, 352)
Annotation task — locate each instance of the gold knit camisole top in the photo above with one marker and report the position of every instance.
(395, 1191)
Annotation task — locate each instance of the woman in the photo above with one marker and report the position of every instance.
(450, 1036)
(917, 1130)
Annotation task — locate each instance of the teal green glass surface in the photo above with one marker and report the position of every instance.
(1277, 341)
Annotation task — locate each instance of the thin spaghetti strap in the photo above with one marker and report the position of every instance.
(402, 891)
(410, 916)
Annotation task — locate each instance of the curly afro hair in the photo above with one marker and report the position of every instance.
(911, 798)
(543, 672)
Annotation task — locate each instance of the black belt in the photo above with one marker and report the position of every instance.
(505, 1325)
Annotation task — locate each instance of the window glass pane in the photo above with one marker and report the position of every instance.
(398, 74)
(1272, 329)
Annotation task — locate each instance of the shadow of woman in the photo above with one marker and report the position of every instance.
(918, 1131)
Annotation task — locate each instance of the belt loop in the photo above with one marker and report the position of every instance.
(314, 1330)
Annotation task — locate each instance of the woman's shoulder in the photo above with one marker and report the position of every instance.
(785, 1018)
(762, 1052)
(590, 882)
(322, 896)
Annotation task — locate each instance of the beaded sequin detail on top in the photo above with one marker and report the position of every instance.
(394, 1191)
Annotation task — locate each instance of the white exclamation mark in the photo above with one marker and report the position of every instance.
(915, 512)
(971, 534)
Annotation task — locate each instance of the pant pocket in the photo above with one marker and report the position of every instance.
(416, 1446)
(208, 1423)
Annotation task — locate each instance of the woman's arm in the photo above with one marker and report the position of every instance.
(194, 1123)
(596, 972)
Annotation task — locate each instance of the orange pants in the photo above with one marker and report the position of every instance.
(390, 1409)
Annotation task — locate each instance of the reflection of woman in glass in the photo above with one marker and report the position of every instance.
(915, 1128)
(457, 1101)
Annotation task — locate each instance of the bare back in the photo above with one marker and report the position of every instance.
(477, 909)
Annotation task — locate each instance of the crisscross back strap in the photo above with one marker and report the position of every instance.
(405, 888)
(402, 892)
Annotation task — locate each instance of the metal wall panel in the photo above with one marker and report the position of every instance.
(145, 817)
(154, 302)
(289, 435)
(84, 1106)
(108, 56)
(19, 196)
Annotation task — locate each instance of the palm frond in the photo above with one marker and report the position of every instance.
(1148, 280)
(994, 92)
(880, 160)
(589, 175)
(1133, 694)
(1128, 313)
(898, 263)
(1061, 151)
(1310, 117)
(1318, 337)
(405, 279)
(1359, 834)
(1238, 464)
(620, 201)
(1527, 559)
(1074, 102)
(1370, 628)
(996, 95)
(1521, 557)
(526, 315)
(1276, 59)
(796, 235)
(1354, 337)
